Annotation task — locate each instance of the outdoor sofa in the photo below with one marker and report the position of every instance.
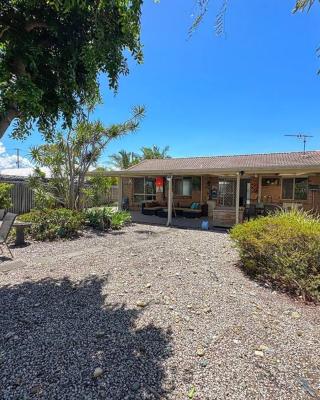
(195, 210)
(150, 208)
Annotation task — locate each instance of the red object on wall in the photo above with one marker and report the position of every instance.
(159, 181)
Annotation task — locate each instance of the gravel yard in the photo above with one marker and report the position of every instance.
(150, 313)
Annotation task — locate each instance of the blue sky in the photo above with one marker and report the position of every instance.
(219, 95)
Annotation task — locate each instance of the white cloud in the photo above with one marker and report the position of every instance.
(8, 164)
(9, 161)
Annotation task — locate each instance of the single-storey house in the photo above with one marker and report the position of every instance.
(222, 187)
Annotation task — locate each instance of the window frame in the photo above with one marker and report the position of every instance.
(294, 188)
(144, 194)
(176, 195)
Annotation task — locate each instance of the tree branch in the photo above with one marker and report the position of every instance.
(6, 118)
(4, 30)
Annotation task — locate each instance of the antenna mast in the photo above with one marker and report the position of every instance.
(303, 138)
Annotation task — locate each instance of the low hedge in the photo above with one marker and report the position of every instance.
(50, 224)
(283, 249)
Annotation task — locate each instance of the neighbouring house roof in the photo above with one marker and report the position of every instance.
(309, 160)
(22, 172)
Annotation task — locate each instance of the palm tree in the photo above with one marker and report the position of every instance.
(154, 152)
(124, 159)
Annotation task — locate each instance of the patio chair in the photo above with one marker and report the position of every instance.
(2, 213)
(250, 212)
(125, 204)
(5, 227)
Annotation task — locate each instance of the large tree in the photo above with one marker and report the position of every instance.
(71, 154)
(51, 52)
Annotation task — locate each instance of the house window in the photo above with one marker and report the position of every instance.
(182, 186)
(270, 182)
(295, 188)
(144, 189)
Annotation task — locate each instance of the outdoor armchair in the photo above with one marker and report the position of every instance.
(5, 227)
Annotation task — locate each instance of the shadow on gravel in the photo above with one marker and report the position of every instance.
(55, 333)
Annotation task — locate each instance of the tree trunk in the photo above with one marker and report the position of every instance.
(6, 119)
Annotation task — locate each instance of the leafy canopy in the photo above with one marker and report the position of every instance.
(154, 152)
(124, 159)
(51, 52)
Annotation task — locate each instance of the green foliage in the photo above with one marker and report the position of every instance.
(202, 8)
(302, 5)
(103, 218)
(51, 224)
(124, 159)
(98, 217)
(71, 154)
(119, 219)
(51, 55)
(154, 152)
(43, 199)
(283, 249)
(192, 392)
(100, 187)
(5, 195)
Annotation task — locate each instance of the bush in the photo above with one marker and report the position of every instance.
(50, 224)
(5, 195)
(103, 218)
(98, 217)
(43, 199)
(283, 249)
(119, 219)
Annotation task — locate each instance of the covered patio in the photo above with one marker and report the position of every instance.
(223, 190)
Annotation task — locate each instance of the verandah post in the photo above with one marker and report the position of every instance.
(237, 197)
(170, 200)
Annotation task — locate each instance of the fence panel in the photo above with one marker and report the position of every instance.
(22, 198)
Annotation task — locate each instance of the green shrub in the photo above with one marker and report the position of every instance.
(283, 249)
(43, 199)
(5, 195)
(119, 219)
(50, 224)
(103, 218)
(98, 217)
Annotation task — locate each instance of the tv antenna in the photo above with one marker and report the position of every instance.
(303, 138)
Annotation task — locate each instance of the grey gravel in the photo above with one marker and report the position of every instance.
(159, 311)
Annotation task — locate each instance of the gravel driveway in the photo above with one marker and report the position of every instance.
(150, 313)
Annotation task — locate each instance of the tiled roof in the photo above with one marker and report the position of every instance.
(308, 160)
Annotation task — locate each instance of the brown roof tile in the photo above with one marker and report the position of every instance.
(308, 160)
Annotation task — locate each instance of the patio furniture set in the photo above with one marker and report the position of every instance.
(257, 210)
(195, 210)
